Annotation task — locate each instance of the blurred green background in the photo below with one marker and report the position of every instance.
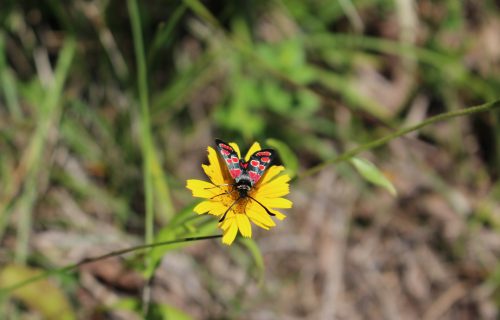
(107, 107)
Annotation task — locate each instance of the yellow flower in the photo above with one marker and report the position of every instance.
(221, 197)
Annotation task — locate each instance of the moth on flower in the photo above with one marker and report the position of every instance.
(241, 190)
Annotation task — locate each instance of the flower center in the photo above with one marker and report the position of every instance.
(241, 206)
(232, 196)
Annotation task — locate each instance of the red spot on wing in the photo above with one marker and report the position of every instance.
(263, 153)
(228, 160)
(235, 159)
(235, 173)
(225, 152)
(225, 146)
(265, 159)
(254, 163)
(262, 167)
(254, 176)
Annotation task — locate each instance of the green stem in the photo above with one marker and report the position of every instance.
(8, 82)
(9, 289)
(146, 138)
(381, 141)
(49, 116)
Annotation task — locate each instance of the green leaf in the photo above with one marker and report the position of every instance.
(156, 311)
(256, 255)
(276, 98)
(170, 312)
(307, 103)
(372, 174)
(46, 298)
(185, 224)
(287, 155)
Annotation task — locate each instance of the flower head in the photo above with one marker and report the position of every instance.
(234, 210)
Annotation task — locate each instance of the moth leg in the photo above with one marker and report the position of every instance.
(227, 210)
(263, 206)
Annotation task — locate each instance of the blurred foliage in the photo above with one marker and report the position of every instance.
(310, 78)
(52, 304)
(368, 171)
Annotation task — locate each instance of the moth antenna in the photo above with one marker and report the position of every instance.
(227, 210)
(220, 185)
(221, 194)
(263, 206)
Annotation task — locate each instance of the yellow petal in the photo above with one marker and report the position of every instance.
(244, 225)
(254, 148)
(203, 207)
(278, 215)
(224, 225)
(259, 224)
(236, 148)
(256, 213)
(270, 174)
(214, 170)
(215, 208)
(259, 216)
(275, 188)
(202, 189)
(276, 202)
(230, 233)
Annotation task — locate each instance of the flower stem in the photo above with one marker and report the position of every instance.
(381, 141)
(146, 139)
(6, 290)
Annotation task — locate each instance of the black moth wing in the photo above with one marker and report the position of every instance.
(258, 163)
(230, 157)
